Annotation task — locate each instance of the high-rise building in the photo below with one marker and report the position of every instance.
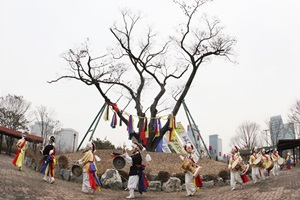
(215, 146)
(66, 140)
(279, 130)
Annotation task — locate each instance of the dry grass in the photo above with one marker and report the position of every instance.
(169, 162)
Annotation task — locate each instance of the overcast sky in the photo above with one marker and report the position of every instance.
(264, 83)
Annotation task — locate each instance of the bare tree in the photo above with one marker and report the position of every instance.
(13, 111)
(135, 66)
(48, 125)
(266, 134)
(247, 136)
(294, 116)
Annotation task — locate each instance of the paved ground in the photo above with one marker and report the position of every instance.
(28, 184)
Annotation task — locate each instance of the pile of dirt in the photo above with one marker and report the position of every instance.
(169, 162)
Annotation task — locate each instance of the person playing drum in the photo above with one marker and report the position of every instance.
(192, 158)
(265, 158)
(255, 169)
(232, 166)
(275, 158)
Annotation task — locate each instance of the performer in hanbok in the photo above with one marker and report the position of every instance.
(275, 157)
(235, 175)
(192, 180)
(255, 169)
(49, 160)
(137, 177)
(22, 147)
(90, 180)
(288, 161)
(265, 158)
(48, 167)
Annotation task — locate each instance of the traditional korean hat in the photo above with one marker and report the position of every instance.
(137, 145)
(254, 148)
(188, 145)
(235, 148)
(52, 138)
(89, 144)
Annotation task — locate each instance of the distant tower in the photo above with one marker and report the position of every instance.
(280, 131)
(215, 144)
(67, 140)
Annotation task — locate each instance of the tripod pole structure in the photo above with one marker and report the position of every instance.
(94, 124)
(189, 116)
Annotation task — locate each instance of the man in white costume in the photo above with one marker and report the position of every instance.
(255, 169)
(235, 175)
(275, 158)
(189, 177)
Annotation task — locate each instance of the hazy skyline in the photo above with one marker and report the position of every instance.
(264, 83)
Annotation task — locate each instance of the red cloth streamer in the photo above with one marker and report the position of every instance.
(114, 106)
(144, 132)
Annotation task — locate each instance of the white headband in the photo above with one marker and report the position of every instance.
(89, 144)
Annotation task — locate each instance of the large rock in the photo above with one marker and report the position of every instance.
(208, 184)
(154, 186)
(220, 182)
(77, 179)
(172, 185)
(112, 179)
(65, 174)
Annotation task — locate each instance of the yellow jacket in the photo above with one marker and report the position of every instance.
(86, 160)
(20, 142)
(274, 157)
(252, 158)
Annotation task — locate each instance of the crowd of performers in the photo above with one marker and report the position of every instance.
(261, 165)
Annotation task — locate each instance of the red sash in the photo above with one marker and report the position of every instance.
(92, 180)
(266, 157)
(254, 155)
